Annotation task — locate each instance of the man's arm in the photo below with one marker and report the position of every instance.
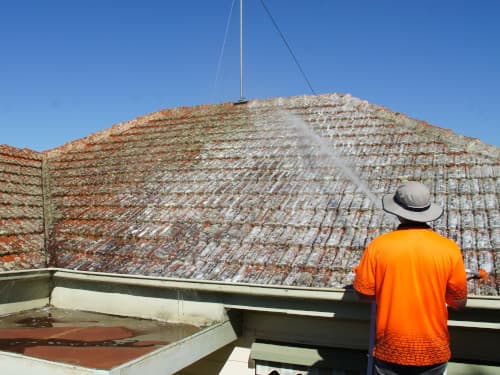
(456, 288)
(364, 277)
(455, 298)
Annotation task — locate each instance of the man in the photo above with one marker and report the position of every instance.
(412, 273)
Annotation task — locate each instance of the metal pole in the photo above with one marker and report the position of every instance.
(241, 50)
(373, 332)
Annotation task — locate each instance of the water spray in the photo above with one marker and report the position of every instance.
(325, 150)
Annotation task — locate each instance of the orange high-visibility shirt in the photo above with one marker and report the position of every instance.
(412, 273)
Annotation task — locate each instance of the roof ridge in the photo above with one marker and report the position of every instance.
(123, 126)
(25, 153)
(423, 128)
(438, 133)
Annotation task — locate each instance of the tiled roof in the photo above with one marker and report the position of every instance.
(21, 209)
(248, 193)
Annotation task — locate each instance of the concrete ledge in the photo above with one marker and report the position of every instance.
(182, 353)
(16, 364)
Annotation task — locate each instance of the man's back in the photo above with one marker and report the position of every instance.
(413, 272)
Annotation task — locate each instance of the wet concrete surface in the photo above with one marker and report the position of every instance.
(86, 339)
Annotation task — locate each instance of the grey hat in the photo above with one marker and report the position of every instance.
(412, 201)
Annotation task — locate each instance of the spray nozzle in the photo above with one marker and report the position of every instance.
(481, 274)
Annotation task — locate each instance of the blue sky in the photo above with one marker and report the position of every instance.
(71, 68)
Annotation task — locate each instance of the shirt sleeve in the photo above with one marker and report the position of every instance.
(456, 288)
(364, 278)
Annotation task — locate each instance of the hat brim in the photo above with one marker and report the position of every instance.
(432, 213)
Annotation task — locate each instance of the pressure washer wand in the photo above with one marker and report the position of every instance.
(481, 274)
(373, 332)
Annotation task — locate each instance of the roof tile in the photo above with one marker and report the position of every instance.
(239, 194)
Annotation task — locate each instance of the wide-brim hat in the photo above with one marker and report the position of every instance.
(412, 201)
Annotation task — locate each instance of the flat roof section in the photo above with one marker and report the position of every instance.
(49, 326)
(86, 339)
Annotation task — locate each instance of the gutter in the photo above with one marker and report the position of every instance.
(260, 290)
(481, 312)
(209, 285)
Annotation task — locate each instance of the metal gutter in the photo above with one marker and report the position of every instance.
(210, 286)
(25, 275)
(477, 302)
(256, 297)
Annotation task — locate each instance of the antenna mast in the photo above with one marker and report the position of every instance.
(242, 98)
